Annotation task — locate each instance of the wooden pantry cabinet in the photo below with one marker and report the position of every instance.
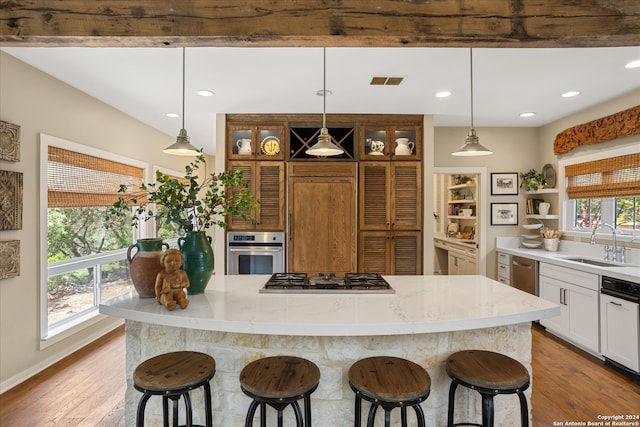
(360, 211)
(258, 148)
(390, 205)
(322, 220)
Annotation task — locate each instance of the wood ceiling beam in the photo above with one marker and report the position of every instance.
(387, 23)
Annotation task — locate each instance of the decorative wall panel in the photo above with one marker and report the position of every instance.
(9, 258)
(614, 126)
(9, 141)
(10, 200)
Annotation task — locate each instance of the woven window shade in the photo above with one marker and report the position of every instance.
(79, 180)
(612, 177)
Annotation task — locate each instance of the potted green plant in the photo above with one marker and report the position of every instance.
(193, 205)
(531, 180)
(462, 179)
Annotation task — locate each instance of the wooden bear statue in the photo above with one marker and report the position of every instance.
(172, 281)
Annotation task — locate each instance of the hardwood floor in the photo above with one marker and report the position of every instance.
(87, 388)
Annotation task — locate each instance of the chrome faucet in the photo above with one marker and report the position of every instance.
(615, 242)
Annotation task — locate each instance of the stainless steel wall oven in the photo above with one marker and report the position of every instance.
(254, 252)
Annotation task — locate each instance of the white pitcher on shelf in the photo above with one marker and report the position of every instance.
(404, 147)
(244, 146)
(543, 208)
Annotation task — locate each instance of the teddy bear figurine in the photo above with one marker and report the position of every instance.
(172, 281)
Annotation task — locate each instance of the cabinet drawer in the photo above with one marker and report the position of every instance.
(504, 280)
(570, 275)
(504, 271)
(504, 258)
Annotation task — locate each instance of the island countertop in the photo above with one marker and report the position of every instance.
(421, 304)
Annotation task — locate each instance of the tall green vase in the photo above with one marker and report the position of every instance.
(198, 259)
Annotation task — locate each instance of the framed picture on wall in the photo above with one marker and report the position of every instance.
(504, 213)
(504, 184)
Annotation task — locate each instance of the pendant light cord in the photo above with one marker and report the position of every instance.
(183, 79)
(324, 88)
(471, 74)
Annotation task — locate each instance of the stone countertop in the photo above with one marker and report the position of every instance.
(629, 272)
(421, 304)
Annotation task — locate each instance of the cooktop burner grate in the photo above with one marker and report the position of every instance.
(327, 283)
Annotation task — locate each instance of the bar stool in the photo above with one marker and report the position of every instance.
(172, 375)
(280, 381)
(389, 382)
(489, 374)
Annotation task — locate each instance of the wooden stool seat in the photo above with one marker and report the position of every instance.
(173, 375)
(389, 382)
(280, 381)
(490, 374)
(487, 369)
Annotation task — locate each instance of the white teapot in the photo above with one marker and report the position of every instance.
(244, 146)
(405, 147)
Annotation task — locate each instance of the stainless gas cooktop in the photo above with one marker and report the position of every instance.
(301, 283)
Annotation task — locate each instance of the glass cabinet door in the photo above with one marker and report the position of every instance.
(269, 143)
(405, 145)
(255, 142)
(390, 143)
(375, 144)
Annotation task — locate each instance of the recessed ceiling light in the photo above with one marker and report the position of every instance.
(633, 64)
(205, 93)
(443, 94)
(570, 94)
(173, 115)
(323, 92)
(527, 114)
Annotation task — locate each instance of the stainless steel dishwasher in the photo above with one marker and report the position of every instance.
(524, 274)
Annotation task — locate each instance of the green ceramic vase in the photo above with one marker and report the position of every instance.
(198, 259)
(145, 265)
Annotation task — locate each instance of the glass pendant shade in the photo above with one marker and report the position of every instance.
(472, 146)
(182, 146)
(324, 147)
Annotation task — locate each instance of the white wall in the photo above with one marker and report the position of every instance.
(515, 150)
(38, 103)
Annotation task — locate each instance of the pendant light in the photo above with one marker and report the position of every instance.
(324, 147)
(472, 146)
(182, 146)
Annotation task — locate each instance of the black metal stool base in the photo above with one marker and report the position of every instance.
(487, 404)
(387, 407)
(279, 405)
(175, 396)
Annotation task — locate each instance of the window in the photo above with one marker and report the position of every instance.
(605, 191)
(621, 212)
(85, 260)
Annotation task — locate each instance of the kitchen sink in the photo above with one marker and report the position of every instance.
(594, 262)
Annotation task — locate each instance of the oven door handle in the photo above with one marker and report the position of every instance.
(255, 249)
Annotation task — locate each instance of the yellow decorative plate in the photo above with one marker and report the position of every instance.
(270, 145)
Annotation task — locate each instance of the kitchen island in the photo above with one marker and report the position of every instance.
(428, 318)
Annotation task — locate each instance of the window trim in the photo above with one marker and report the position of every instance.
(87, 317)
(565, 204)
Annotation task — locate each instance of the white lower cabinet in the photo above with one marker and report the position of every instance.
(578, 295)
(620, 331)
(462, 263)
